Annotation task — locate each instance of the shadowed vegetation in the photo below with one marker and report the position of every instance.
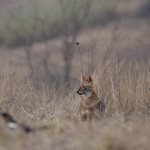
(39, 21)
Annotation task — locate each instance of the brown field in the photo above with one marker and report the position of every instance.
(120, 67)
(125, 125)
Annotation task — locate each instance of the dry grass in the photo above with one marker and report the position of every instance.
(122, 80)
(124, 87)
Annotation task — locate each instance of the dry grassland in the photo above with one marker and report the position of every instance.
(121, 72)
(124, 87)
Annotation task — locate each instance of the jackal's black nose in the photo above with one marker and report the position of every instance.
(79, 92)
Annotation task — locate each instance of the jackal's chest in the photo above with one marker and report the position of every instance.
(82, 108)
(88, 113)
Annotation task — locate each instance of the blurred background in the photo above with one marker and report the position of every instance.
(40, 35)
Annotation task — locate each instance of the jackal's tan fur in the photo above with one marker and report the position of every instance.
(91, 106)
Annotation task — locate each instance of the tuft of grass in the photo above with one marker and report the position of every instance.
(124, 87)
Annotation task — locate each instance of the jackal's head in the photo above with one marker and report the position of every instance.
(87, 87)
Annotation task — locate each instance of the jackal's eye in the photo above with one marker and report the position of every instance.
(84, 87)
(88, 88)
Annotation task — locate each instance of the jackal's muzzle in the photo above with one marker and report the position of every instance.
(85, 90)
(79, 92)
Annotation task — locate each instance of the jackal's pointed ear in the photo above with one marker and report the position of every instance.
(89, 79)
(86, 78)
(82, 78)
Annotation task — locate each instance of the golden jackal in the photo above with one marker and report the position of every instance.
(91, 106)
